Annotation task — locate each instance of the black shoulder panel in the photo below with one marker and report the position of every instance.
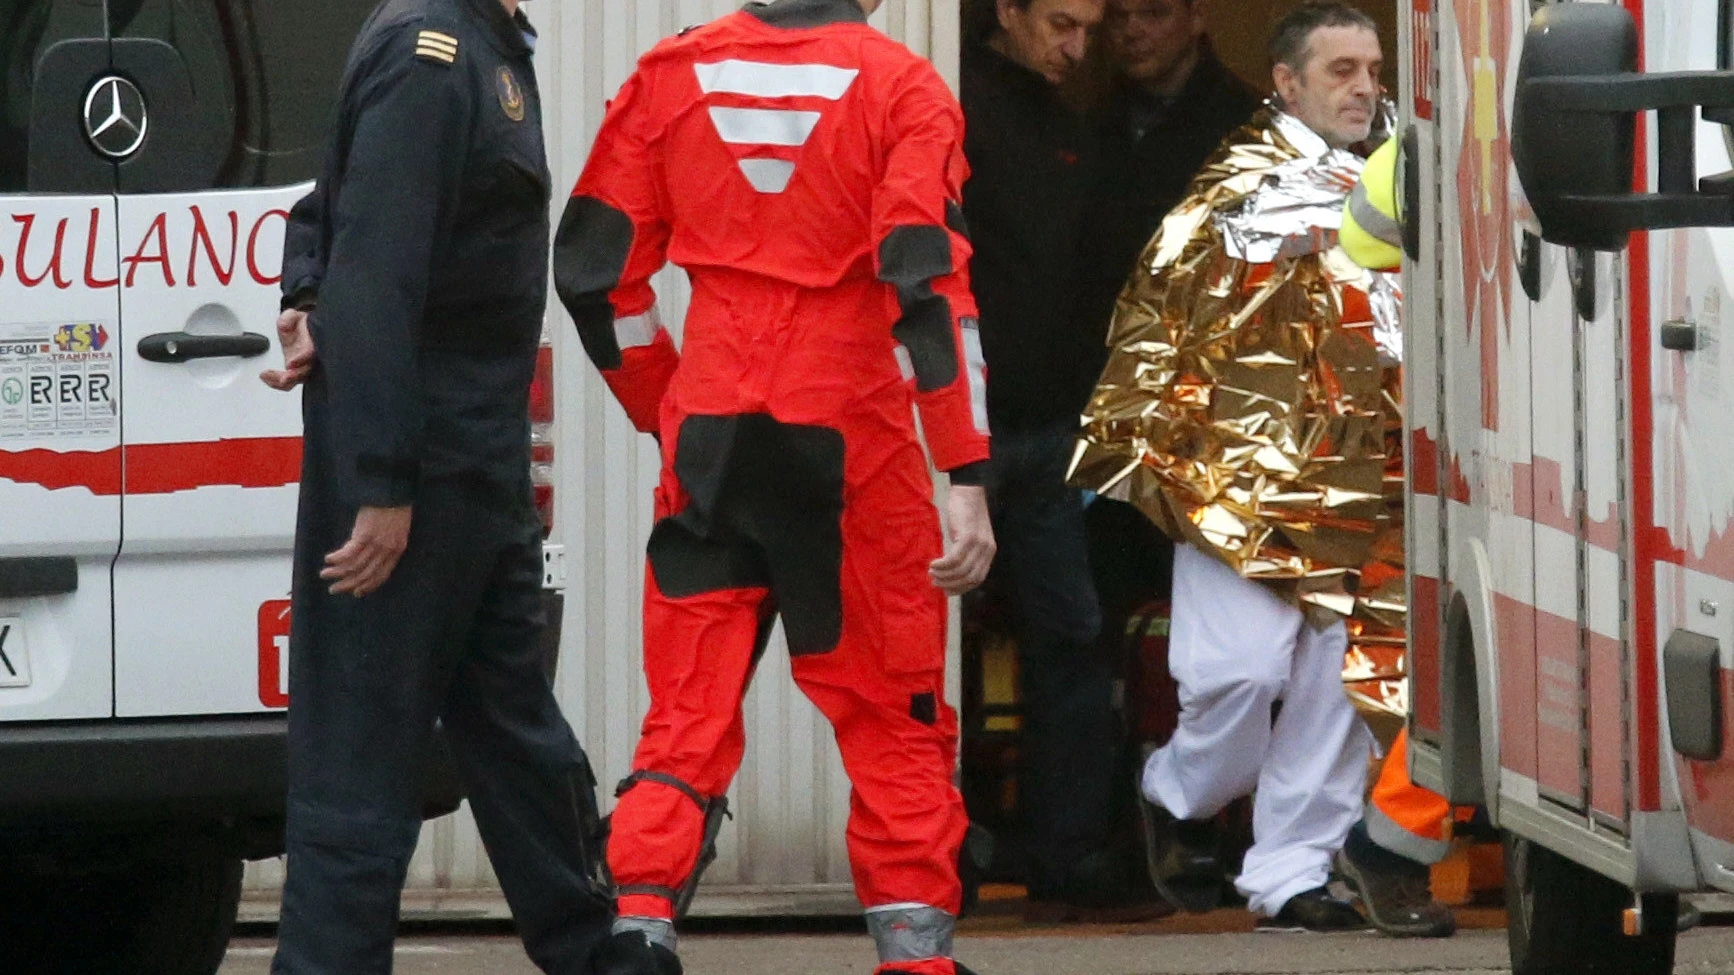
(590, 252)
(910, 258)
(796, 14)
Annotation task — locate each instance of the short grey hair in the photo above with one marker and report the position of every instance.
(1291, 38)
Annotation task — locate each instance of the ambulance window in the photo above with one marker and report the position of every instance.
(264, 76)
(32, 85)
(292, 58)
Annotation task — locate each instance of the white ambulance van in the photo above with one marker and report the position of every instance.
(149, 152)
(1571, 433)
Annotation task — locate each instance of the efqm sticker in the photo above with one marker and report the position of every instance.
(57, 381)
(511, 96)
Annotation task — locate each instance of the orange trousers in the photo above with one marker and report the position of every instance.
(1404, 817)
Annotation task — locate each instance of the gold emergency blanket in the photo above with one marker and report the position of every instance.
(1251, 406)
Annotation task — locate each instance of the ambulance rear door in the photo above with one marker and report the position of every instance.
(212, 456)
(1570, 491)
(1693, 382)
(1662, 84)
(60, 459)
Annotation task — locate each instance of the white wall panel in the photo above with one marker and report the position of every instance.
(784, 850)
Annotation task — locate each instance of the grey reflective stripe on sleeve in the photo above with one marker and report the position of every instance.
(656, 930)
(975, 365)
(910, 932)
(905, 365)
(1371, 219)
(1389, 834)
(637, 331)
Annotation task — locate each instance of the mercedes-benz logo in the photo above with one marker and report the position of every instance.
(115, 118)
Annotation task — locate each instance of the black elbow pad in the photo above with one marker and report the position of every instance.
(591, 248)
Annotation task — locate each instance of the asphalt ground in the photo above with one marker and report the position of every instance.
(998, 940)
(1083, 951)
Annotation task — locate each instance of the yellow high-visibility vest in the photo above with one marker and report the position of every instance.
(1372, 233)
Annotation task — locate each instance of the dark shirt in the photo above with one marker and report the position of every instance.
(423, 251)
(1151, 149)
(1030, 157)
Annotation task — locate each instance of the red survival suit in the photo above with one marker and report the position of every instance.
(806, 172)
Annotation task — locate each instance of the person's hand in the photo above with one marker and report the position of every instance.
(375, 544)
(969, 541)
(298, 352)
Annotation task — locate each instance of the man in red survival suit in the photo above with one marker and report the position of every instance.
(806, 171)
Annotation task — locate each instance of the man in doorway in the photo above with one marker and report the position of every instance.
(807, 172)
(1239, 648)
(1171, 103)
(1031, 157)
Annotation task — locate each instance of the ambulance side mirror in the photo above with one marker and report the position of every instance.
(1574, 131)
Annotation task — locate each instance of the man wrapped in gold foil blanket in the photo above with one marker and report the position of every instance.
(1251, 407)
(1252, 403)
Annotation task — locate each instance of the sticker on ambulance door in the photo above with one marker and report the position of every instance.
(57, 382)
(14, 656)
(274, 654)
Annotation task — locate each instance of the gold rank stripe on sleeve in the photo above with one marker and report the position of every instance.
(437, 46)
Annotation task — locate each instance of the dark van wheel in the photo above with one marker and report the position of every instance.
(168, 912)
(1565, 919)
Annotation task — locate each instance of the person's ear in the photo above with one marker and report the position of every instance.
(1286, 81)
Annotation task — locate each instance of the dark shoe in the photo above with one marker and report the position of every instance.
(1316, 910)
(1397, 896)
(1098, 888)
(1181, 855)
(629, 953)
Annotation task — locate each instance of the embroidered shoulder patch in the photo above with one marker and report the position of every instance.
(436, 46)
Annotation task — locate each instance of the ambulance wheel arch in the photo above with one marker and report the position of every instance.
(1468, 772)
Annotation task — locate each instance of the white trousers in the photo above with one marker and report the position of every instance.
(1236, 650)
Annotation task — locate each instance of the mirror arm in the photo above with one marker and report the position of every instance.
(1676, 98)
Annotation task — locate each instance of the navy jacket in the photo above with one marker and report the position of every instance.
(423, 254)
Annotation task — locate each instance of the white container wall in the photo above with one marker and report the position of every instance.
(784, 850)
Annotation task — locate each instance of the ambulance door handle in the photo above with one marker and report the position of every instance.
(1680, 336)
(176, 347)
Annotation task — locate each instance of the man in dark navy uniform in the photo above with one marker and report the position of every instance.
(414, 286)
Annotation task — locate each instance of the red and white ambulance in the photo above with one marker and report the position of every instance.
(1571, 522)
(149, 152)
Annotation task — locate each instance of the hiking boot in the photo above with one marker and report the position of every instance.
(1316, 911)
(630, 953)
(1396, 892)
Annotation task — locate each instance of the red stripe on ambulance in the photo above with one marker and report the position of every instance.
(255, 462)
